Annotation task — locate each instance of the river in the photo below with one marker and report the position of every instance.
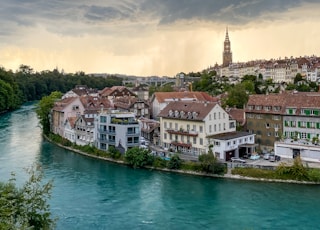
(94, 194)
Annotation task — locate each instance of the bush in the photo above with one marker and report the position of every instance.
(314, 175)
(175, 162)
(158, 162)
(138, 157)
(190, 166)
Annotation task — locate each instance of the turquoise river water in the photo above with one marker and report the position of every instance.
(94, 194)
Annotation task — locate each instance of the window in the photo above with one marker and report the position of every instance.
(269, 134)
(267, 125)
(250, 115)
(103, 119)
(217, 143)
(165, 124)
(210, 128)
(219, 115)
(188, 127)
(194, 140)
(276, 134)
(259, 116)
(276, 108)
(194, 127)
(276, 117)
(215, 128)
(258, 107)
(219, 127)
(201, 129)
(224, 115)
(170, 136)
(250, 107)
(170, 125)
(224, 126)
(228, 143)
(201, 141)
(209, 117)
(214, 116)
(234, 142)
(267, 108)
(176, 126)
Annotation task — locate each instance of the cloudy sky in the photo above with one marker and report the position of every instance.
(152, 37)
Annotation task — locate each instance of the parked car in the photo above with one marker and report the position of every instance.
(254, 157)
(266, 156)
(274, 157)
(237, 160)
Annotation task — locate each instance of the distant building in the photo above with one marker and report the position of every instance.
(227, 54)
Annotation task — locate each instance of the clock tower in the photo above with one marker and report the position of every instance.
(227, 55)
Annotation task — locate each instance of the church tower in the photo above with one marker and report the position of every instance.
(227, 55)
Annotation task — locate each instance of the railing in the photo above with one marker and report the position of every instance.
(106, 131)
(106, 141)
(182, 132)
(132, 134)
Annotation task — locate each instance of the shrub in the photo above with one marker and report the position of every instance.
(175, 162)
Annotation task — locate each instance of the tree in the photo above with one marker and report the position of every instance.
(138, 157)
(237, 97)
(175, 162)
(44, 107)
(26, 207)
(297, 78)
(208, 161)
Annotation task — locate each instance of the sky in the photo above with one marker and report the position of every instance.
(152, 37)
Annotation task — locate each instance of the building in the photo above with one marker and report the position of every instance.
(150, 130)
(84, 130)
(62, 110)
(118, 129)
(288, 115)
(186, 126)
(160, 100)
(139, 107)
(227, 54)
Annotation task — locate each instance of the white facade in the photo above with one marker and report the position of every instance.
(118, 129)
(226, 147)
(290, 149)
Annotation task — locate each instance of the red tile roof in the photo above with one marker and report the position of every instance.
(197, 96)
(191, 110)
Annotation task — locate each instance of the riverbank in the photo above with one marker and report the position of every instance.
(228, 175)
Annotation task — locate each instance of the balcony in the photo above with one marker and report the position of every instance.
(132, 144)
(131, 134)
(181, 144)
(106, 131)
(124, 121)
(182, 132)
(106, 141)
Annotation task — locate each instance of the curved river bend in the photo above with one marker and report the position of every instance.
(93, 194)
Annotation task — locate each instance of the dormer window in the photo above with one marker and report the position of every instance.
(258, 107)
(250, 107)
(267, 108)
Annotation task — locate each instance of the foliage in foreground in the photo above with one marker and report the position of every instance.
(26, 207)
(297, 171)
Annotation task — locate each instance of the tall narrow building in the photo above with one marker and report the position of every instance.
(227, 55)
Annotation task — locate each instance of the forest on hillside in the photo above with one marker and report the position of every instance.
(25, 84)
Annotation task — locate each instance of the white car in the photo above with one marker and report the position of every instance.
(237, 160)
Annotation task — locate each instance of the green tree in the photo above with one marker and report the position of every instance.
(138, 157)
(208, 162)
(237, 97)
(297, 78)
(175, 162)
(26, 207)
(43, 110)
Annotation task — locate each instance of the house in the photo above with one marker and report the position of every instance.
(150, 130)
(239, 115)
(141, 91)
(84, 130)
(139, 107)
(69, 131)
(116, 92)
(62, 110)
(233, 144)
(288, 115)
(80, 90)
(160, 100)
(188, 127)
(118, 129)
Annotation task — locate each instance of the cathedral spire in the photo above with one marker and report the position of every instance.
(227, 55)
